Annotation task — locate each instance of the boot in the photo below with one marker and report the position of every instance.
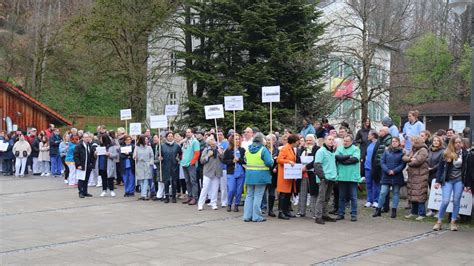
(394, 213)
(167, 199)
(282, 216)
(378, 212)
(271, 201)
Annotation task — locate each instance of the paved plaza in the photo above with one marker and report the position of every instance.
(43, 222)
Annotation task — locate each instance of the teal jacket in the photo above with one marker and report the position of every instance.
(348, 163)
(325, 164)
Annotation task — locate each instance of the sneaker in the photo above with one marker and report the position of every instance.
(103, 193)
(47, 174)
(420, 218)
(375, 205)
(430, 214)
(98, 185)
(66, 182)
(453, 227)
(112, 193)
(368, 205)
(43, 174)
(199, 208)
(437, 226)
(409, 216)
(215, 208)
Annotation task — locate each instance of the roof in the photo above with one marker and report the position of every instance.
(33, 102)
(440, 108)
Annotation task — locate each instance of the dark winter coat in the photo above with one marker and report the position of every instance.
(435, 157)
(417, 184)
(35, 148)
(124, 156)
(379, 149)
(362, 141)
(444, 169)
(54, 142)
(169, 167)
(392, 159)
(80, 156)
(228, 159)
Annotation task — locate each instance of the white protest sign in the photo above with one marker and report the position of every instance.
(125, 114)
(459, 125)
(214, 111)
(3, 146)
(292, 171)
(436, 197)
(158, 121)
(101, 150)
(270, 94)
(234, 103)
(126, 149)
(171, 110)
(135, 129)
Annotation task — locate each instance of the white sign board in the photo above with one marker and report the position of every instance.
(459, 125)
(3, 146)
(135, 129)
(292, 172)
(125, 114)
(101, 150)
(158, 121)
(126, 149)
(271, 94)
(171, 110)
(436, 196)
(214, 111)
(234, 103)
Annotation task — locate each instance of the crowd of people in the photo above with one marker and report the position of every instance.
(217, 167)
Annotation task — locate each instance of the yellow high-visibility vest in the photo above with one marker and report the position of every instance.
(254, 160)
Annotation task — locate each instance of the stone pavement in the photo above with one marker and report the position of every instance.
(42, 221)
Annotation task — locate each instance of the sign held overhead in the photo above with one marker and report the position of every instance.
(171, 110)
(271, 94)
(158, 121)
(214, 111)
(125, 114)
(234, 103)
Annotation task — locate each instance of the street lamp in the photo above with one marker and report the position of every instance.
(460, 6)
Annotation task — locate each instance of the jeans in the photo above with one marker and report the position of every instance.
(20, 166)
(129, 181)
(235, 186)
(192, 185)
(210, 186)
(144, 187)
(56, 164)
(36, 166)
(325, 189)
(449, 188)
(303, 197)
(347, 190)
(385, 191)
(44, 167)
(373, 188)
(252, 203)
(418, 208)
(7, 166)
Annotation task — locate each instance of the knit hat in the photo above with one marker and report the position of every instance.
(258, 138)
(387, 121)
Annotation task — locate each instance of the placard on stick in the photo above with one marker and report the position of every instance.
(234, 103)
(158, 121)
(436, 197)
(135, 129)
(125, 114)
(171, 110)
(270, 94)
(214, 111)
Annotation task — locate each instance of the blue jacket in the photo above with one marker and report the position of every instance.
(54, 142)
(8, 154)
(392, 160)
(70, 152)
(259, 177)
(309, 129)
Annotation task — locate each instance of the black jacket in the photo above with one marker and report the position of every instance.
(80, 155)
(445, 168)
(228, 159)
(35, 148)
(379, 149)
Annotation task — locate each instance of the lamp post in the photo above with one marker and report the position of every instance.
(460, 6)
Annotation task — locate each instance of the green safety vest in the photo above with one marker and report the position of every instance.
(254, 160)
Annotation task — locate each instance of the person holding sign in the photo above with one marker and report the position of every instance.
(453, 176)
(285, 187)
(84, 162)
(106, 164)
(170, 154)
(325, 168)
(308, 183)
(128, 166)
(234, 160)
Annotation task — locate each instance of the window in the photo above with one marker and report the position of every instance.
(172, 99)
(173, 62)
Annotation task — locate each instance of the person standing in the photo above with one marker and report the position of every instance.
(191, 152)
(143, 156)
(307, 128)
(392, 175)
(63, 149)
(43, 157)
(223, 144)
(247, 138)
(128, 166)
(326, 170)
(8, 156)
(435, 157)
(383, 142)
(84, 162)
(212, 173)
(158, 186)
(106, 165)
(234, 161)
(54, 153)
(418, 172)
(72, 177)
(257, 177)
(308, 182)
(392, 129)
(362, 139)
(21, 149)
(348, 168)
(285, 187)
(373, 187)
(454, 174)
(170, 153)
(412, 128)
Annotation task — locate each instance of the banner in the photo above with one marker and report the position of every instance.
(270, 94)
(158, 121)
(125, 114)
(292, 171)
(234, 103)
(135, 129)
(214, 111)
(171, 110)
(342, 88)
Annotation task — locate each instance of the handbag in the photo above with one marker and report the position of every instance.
(25, 154)
(17, 153)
